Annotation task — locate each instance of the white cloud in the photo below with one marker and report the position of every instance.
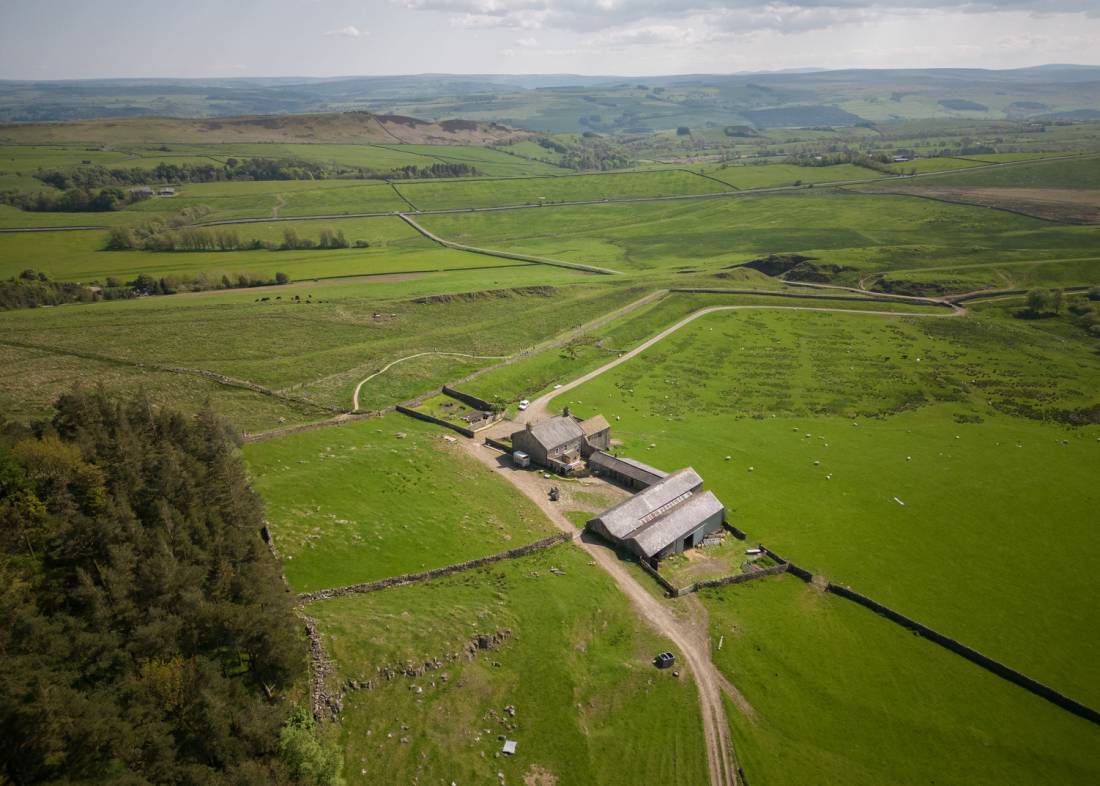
(348, 31)
(528, 42)
(788, 15)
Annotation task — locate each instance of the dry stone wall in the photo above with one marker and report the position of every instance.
(447, 570)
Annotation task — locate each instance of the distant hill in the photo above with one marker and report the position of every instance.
(571, 103)
(348, 127)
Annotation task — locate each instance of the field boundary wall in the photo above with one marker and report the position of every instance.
(466, 398)
(434, 573)
(969, 653)
(412, 413)
(852, 298)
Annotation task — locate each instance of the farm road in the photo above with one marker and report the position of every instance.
(355, 395)
(539, 408)
(693, 644)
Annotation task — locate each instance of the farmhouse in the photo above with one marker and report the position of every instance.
(669, 516)
(557, 443)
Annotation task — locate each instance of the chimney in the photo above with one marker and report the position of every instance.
(529, 425)
(565, 412)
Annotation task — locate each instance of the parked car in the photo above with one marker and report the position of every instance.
(665, 660)
(524, 404)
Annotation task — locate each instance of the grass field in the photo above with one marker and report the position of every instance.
(859, 232)
(440, 194)
(778, 392)
(589, 707)
(382, 497)
(538, 372)
(1069, 173)
(317, 351)
(776, 175)
(945, 467)
(394, 248)
(842, 696)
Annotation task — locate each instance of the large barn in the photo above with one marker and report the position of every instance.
(667, 517)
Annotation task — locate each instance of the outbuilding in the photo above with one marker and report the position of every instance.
(597, 432)
(671, 515)
(624, 471)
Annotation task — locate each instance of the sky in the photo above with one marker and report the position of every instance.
(84, 39)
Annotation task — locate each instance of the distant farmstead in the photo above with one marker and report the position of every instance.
(669, 513)
(668, 517)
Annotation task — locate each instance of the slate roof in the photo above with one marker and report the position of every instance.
(556, 431)
(628, 468)
(594, 425)
(658, 516)
(678, 523)
(622, 519)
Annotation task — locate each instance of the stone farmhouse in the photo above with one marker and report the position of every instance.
(562, 443)
(665, 518)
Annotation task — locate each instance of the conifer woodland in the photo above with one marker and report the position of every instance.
(146, 633)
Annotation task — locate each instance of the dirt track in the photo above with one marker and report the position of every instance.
(538, 408)
(692, 643)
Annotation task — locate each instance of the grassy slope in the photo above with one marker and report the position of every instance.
(589, 707)
(318, 350)
(980, 514)
(1073, 173)
(539, 372)
(845, 697)
(472, 193)
(860, 231)
(394, 248)
(360, 503)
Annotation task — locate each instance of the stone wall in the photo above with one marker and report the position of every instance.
(673, 591)
(412, 413)
(972, 655)
(738, 578)
(324, 705)
(466, 398)
(412, 578)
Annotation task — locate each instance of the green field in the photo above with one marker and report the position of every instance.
(382, 497)
(394, 248)
(589, 707)
(314, 351)
(435, 195)
(842, 696)
(839, 414)
(1071, 173)
(859, 232)
(778, 175)
(942, 463)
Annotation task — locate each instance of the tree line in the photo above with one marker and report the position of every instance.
(146, 631)
(92, 176)
(155, 236)
(75, 199)
(32, 289)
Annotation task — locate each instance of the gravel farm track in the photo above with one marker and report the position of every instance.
(688, 634)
